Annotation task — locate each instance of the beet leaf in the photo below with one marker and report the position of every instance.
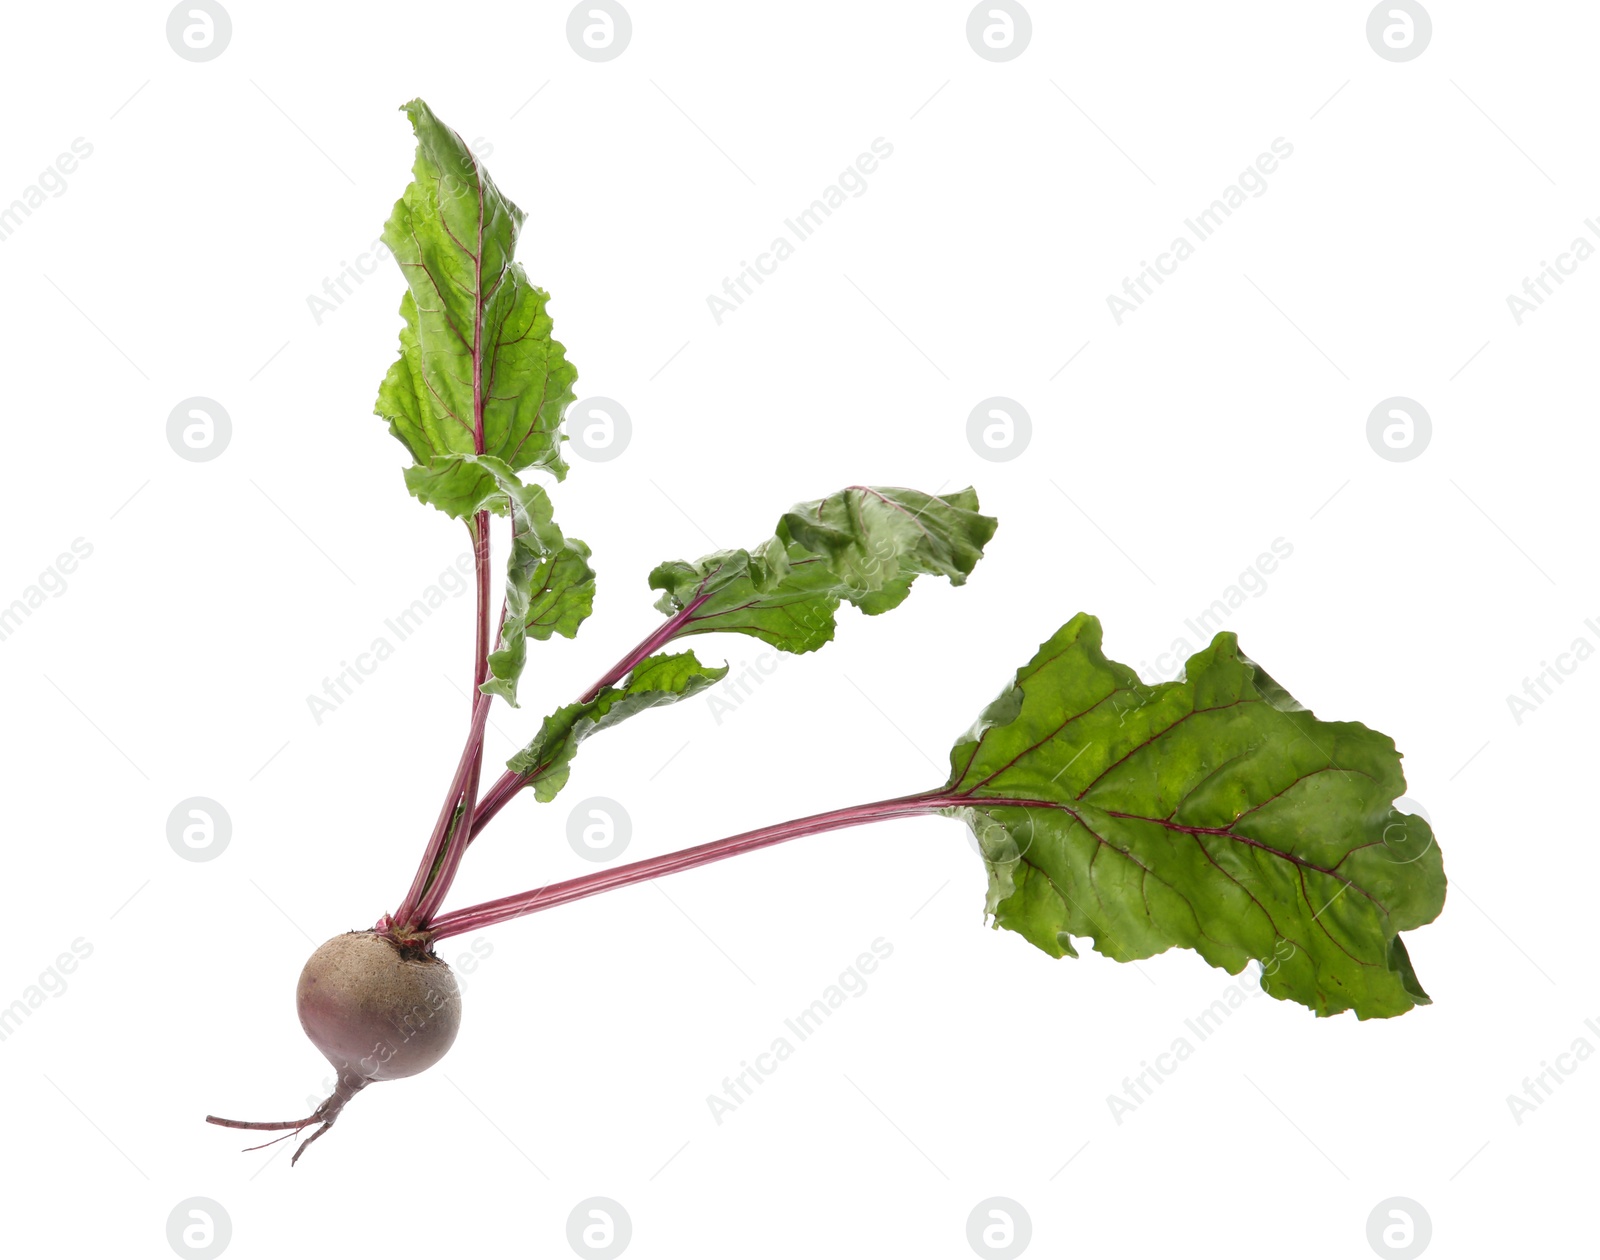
(1213, 813)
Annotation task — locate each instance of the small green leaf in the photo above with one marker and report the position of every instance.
(1213, 813)
(864, 545)
(461, 485)
(547, 760)
(476, 351)
(549, 584)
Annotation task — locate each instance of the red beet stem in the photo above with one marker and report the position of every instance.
(489, 912)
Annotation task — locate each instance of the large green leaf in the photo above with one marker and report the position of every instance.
(478, 370)
(546, 761)
(549, 584)
(864, 545)
(1213, 813)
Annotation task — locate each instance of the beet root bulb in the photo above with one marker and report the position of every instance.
(378, 1011)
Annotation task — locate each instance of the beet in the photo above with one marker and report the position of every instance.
(378, 1010)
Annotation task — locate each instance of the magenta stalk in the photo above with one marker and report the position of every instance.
(510, 783)
(490, 912)
(495, 799)
(664, 634)
(405, 913)
(448, 843)
(463, 791)
(455, 837)
(461, 834)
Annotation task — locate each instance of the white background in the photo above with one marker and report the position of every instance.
(1228, 412)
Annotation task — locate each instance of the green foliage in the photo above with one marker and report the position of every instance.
(546, 761)
(478, 372)
(864, 546)
(1213, 813)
